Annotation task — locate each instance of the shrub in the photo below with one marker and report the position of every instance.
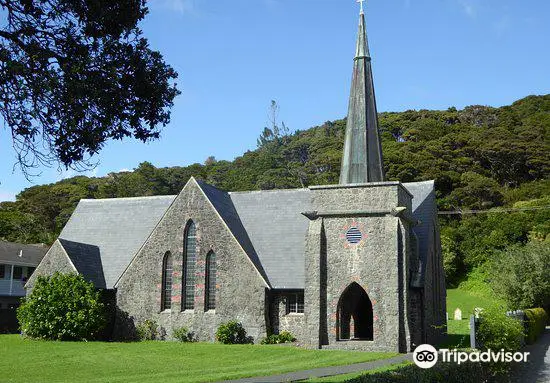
(62, 307)
(232, 332)
(536, 322)
(497, 331)
(441, 372)
(147, 330)
(520, 275)
(182, 334)
(282, 337)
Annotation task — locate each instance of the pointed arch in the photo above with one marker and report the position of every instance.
(210, 282)
(354, 316)
(189, 261)
(166, 293)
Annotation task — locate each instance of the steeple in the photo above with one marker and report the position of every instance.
(362, 158)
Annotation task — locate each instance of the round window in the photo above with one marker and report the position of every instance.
(354, 235)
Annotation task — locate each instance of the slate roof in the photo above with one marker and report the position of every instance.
(103, 235)
(277, 230)
(224, 205)
(424, 209)
(87, 260)
(31, 255)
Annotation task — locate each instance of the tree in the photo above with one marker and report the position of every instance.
(273, 132)
(62, 307)
(74, 74)
(520, 275)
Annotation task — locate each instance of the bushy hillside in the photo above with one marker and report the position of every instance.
(481, 158)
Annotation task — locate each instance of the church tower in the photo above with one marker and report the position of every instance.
(358, 260)
(362, 158)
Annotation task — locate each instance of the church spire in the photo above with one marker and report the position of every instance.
(362, 158)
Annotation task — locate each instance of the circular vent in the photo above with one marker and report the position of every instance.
(354, 235)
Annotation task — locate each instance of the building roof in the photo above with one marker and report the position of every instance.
(20, 254)
(277, 230)
(226, 209)
(103, 235)
(424, 209)
(87, 260)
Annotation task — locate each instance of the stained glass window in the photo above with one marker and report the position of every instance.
(210, 291)
(166, 282)
(189, 260)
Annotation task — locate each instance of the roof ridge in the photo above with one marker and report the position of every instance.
(267, 191)
(129, 198)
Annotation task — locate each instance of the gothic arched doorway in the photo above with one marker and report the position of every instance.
(354, 318)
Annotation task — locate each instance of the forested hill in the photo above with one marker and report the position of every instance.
(481, 157)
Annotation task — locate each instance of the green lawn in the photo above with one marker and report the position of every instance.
(458, 334)
(466, 301)
(24, 360)
(459, 331)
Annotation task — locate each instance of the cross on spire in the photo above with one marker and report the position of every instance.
(361, 3)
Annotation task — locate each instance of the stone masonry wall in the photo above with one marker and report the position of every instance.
(56, 259)
(281, 321)
(373, 263)
(240, 290)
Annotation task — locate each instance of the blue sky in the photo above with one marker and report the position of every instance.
(233, 57)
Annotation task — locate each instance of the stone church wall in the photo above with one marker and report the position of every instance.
(281, 321)
(55, 260)
(435, 291)
(240, 291)
(332, 264)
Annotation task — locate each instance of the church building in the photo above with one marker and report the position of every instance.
(355, 265)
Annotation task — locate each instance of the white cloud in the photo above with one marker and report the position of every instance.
(64, 174)
(271, 4)
(468, 8)
(179, 6)
(6, 196)
(502, 25)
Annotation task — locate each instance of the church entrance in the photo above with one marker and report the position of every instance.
(354, 319)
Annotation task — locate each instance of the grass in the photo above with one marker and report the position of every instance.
(458, 334)
(354, 375)
(466, 301)
(24, 360)
(473, 292)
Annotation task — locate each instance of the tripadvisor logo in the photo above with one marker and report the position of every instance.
(426, 356)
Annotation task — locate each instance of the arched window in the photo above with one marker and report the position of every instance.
(166, 294)
(210, 290)
(189, 260)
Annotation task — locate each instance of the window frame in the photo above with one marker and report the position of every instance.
(210, 282)
(188, 275)
(295, 303)
(167, 282)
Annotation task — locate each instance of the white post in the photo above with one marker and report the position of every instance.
(11, 279)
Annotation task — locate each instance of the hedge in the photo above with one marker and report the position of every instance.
(535, 322)
(441, 372)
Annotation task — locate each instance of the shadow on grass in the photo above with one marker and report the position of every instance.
(455, 341)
